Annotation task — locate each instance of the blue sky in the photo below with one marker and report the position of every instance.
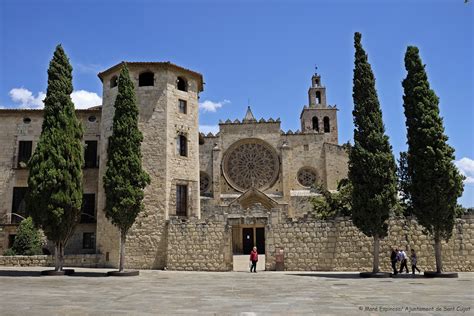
(264, 51)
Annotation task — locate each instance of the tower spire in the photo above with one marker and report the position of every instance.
(249, 116)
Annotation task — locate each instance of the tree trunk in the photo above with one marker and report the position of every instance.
(437, 247)
(56, 256)
(61, 256)
(375, 267)
(123, 237)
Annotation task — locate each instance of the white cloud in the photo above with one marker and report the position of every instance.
(214, 129)
(209, 106)
(25, 99)
(466, 167)
(84, 99)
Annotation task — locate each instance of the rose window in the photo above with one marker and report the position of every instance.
(306, 177)
(251, 163)
(204, 182)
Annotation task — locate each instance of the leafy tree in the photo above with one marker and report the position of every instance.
(124, 179)
(55, 179)
(330, 205)
(436, 183)
(28, 240)
(371, 162)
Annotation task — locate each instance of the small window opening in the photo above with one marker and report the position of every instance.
(182, 145)
(88, 240)
(113, 82)
(19, 205)
(182, 84)
(181, 200)
(317, 82)
(88, 208)
(26, 120)
(183, 106)
(90, 154)
(146, 79)
(318, 97)
(315, 124)
(25, 149)
(92, 118)
(327, 127)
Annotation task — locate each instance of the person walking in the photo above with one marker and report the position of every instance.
(414, 260)
(254, 259)
(393, 259)
(403, 259)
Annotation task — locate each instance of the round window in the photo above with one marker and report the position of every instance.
(26, 120)
(307, 176)
(92, 118)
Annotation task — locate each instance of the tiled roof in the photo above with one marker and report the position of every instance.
(143, 63)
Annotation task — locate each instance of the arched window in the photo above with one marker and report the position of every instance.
(318, 97)
(315, 124)
(113, 81)
(182, 84)
(327, 127)
(146, 79)
(182, 144)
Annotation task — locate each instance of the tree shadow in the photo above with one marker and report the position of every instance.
(86, 274)
(19, 273)
(330, 275)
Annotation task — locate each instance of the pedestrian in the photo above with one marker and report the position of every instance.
(403, 259)
(253, 259)
(393, 259)
(414, 261)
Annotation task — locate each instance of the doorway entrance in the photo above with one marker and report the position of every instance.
(244, 238)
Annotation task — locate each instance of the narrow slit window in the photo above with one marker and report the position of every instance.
(181, 200)
(90, 154)
(327, 126)
(183, 106)
(182, 145)
(24, 153)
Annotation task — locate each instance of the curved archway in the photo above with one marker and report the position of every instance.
(327, 126)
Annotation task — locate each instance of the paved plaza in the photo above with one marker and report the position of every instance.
(25, 292)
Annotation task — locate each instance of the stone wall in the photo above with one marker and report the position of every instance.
(337, 245)
(199, 245)
(85, 261)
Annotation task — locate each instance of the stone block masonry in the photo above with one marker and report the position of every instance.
(197, 245)
(84, 261)
(337, 245)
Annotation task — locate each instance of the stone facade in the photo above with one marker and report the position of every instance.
(211, 196)
(84, 261)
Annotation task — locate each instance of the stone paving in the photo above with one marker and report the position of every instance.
(24, 292)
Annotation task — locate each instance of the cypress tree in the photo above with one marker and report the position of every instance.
(371, 162)
(124, 179)
(55, 180)
(435, 182)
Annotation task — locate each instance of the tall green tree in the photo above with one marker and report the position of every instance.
(371, 163)
(55, 179)
(436, 183)
(124, 179)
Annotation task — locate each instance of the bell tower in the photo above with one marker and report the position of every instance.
(319, 117)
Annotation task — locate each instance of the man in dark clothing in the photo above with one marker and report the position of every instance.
(393, 259)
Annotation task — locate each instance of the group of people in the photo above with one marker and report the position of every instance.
(401, 256)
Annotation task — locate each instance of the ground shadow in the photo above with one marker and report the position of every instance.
(330, 275)
(17, 273)
(89, 274)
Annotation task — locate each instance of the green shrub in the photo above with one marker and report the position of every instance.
(9, 252)
(27, 241)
